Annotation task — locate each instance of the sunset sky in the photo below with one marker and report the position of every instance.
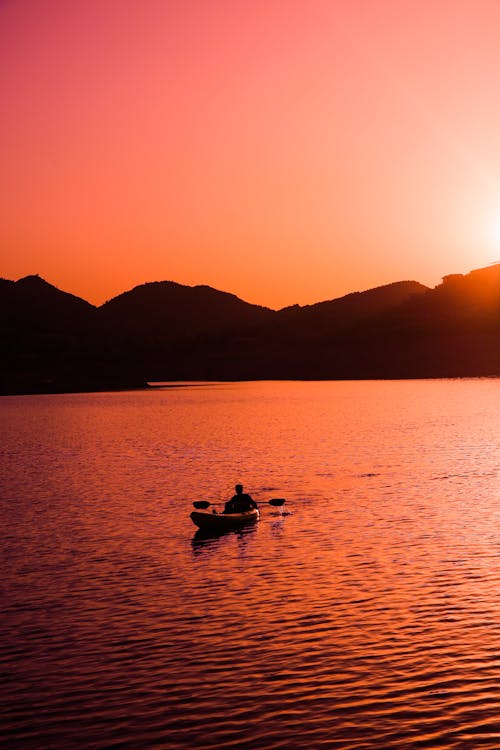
(284, 150)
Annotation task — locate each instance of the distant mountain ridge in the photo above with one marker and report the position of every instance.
(53, 341)
(37, 302)
(182, 310)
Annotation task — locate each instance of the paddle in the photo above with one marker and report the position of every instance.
(202, 504)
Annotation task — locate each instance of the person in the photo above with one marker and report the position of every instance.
(240, 503)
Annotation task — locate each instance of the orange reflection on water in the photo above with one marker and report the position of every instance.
(369, 609)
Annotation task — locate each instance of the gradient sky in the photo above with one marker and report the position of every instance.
(284, 150)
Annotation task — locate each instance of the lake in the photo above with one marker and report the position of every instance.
(365, 616)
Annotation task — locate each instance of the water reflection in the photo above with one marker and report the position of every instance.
(209, 539)
(365, 615)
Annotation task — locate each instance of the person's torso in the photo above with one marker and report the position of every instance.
(242, 503)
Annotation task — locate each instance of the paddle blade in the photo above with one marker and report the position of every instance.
(277, 501)
(201, 504)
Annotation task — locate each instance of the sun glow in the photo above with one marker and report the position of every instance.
(493, 233)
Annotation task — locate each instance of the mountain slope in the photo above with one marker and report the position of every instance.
(343, 312)
(51, 341)
(171, 310)
(33, 304)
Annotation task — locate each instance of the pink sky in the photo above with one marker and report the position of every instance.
(284, 150)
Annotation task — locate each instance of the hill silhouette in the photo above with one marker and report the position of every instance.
(34, 304)
(52, 341)
(337, 314)
(171, 310)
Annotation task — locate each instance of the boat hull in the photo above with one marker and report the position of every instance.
(219, 521)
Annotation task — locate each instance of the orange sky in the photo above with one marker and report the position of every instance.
(284, 150)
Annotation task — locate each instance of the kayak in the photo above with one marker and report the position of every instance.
(207, 520)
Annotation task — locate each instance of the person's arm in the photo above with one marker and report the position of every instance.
(253, 504)
(229, 507)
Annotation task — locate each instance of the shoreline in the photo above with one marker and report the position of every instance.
(172, 385)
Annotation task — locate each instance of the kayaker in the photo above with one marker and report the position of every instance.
(240, 503)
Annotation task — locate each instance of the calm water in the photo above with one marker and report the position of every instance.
(366, 617)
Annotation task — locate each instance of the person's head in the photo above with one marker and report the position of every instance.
(239, 489)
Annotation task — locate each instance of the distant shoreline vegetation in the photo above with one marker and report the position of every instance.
(164, 332)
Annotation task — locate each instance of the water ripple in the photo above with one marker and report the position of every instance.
(367, 618)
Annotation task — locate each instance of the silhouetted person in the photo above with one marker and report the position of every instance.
(240, 503)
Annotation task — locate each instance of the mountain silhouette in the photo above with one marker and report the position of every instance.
(52, 341)
(337, 314)
(34, 304)
(171, 310)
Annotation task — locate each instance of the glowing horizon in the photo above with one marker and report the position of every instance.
(286, 153)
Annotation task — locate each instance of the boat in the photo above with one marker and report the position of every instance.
(209, 521)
